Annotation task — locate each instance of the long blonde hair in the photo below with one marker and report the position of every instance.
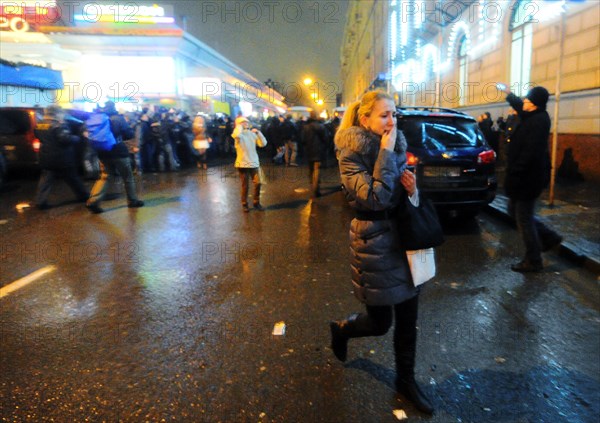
(363, 107)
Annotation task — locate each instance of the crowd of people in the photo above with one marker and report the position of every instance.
(164, 138)
(157, 139)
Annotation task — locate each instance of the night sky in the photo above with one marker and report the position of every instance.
(283, 40)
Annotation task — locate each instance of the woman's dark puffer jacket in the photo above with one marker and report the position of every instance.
(371, 180)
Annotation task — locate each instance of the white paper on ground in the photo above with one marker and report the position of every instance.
(400, 414)
(279, 329)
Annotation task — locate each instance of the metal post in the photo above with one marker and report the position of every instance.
(556, 104)
(438, 81)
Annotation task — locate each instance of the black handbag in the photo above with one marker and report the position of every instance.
(419, 227)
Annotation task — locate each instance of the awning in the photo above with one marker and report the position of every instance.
(31, 76)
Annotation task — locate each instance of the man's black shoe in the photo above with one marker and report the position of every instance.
(258, 207)
(526, 267)
(135, 204)
(245, 208)
(94, 208)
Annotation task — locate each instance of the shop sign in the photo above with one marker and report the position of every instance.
(21, 16)
(128, 12)
(122, 31)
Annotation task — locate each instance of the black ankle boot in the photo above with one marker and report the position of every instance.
(339, 341)
(413, 393)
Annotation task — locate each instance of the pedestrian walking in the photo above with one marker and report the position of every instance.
(246, 160)
(201, 141)
(289, 137)
(57, 157)
(372, 161)
(147, 141)
(314, 138)
(528, 174)
(107, 134)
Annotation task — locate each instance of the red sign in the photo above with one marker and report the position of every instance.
(21, 16)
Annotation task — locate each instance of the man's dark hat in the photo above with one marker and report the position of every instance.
(538, 96)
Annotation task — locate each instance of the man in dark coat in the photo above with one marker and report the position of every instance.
(314, 138)
(528, 174)
(288, 134)
(486, 124)
(115, 161)
(57, 157)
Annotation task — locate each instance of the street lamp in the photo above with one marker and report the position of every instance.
(308, 81)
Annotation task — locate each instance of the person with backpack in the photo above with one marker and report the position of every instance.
(106, 132)
(57, 157)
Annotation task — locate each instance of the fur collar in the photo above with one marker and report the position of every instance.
(362, 141)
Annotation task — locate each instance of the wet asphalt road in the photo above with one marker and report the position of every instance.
(166, 313)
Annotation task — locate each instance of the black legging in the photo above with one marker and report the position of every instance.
(378, 320)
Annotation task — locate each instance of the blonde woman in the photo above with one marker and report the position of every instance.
(372, 162)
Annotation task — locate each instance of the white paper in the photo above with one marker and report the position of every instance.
(422, 265)
(400, 414)
(279, 329)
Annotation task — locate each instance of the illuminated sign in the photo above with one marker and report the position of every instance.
(123, 13)
(21, 16)
(128, 30)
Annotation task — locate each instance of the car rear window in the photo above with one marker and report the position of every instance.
(437, 133)
(14, 122)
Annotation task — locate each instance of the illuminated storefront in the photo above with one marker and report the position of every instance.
(130, 53)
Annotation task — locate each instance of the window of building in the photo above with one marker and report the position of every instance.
(522, 40)
(463, 63)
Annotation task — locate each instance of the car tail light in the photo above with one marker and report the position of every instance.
(411, 159)
(36, 145)
(486, 157)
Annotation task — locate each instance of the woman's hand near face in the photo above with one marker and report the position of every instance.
(409, 181)
(388, 139)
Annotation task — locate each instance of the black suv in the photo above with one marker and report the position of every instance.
(454, 164)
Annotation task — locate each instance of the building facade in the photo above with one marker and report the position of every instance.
(451, 53)
(133, 56)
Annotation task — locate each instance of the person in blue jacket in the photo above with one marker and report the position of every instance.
(115, 161)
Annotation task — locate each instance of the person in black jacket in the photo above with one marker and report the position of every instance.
(115, 161)
(288, 134)
(314, 138)
(57, 157)
(528, 174)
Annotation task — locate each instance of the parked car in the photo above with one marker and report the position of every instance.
(21, 147)
(17, 138)
(455, 166)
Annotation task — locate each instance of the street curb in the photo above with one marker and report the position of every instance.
(566, 249)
